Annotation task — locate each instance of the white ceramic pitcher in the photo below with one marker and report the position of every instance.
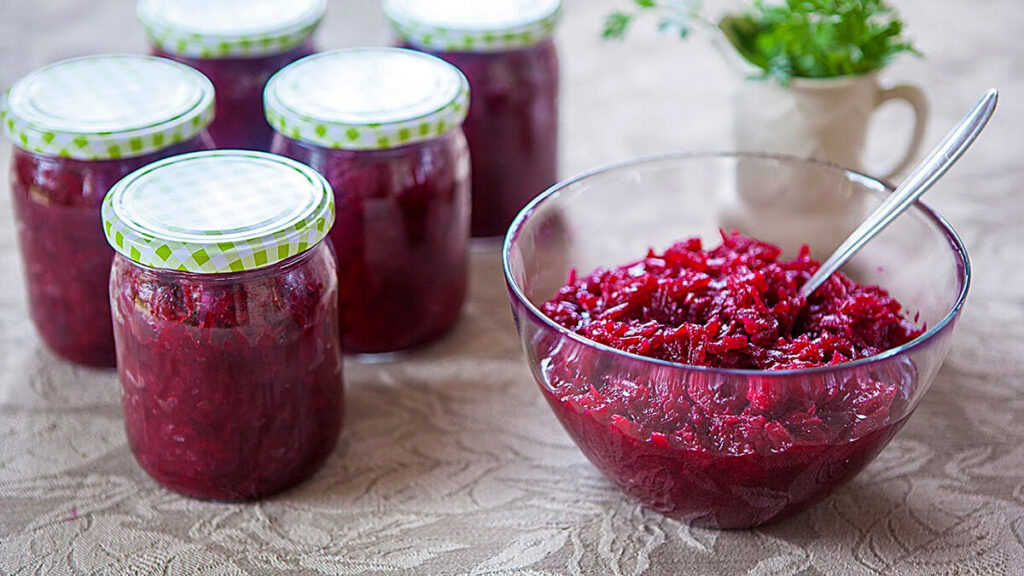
(826, 119)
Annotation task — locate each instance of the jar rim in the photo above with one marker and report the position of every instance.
(473, 26)
(366, 98)
(218, 211)
(107, 106)
(233, 29)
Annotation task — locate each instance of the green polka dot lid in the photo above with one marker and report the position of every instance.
(106, 107)
(366, 98)
(473, 25)
(219, 211)
(229, 28)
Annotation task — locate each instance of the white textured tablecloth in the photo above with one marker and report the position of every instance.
(451, 463)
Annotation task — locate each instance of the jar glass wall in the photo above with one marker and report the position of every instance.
(400, 237)
(383, 126)
(506, 51)
(226, 322)
(79, 126)
(65, 256)
(231, 383)
(512, 129)
(239, 45)
(239, 83)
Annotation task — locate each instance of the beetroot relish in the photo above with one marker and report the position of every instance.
(735, 306)
(231, 384)
(66, 257)
(239, 122)
(719, 449)
(401, 237)
(512, 129)
(682, 479)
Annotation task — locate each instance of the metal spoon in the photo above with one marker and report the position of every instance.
(920, 180)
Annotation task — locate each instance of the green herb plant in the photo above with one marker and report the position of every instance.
(790, 38)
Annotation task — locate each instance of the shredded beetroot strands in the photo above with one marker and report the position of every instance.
(239, 120)
(231, 384)
(726, 450)
(400, 238)
(67, 259)
(732, 307)
(513, 93)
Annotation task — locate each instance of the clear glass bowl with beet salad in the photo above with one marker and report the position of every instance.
(238, 45)
(507, 52)
(78, 126)
(224, 293)
(657, 304)
(383, 125)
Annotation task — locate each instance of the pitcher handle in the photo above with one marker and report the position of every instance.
(919, 103)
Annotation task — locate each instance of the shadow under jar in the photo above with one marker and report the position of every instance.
(239, 45)
(506, 51)
(79, 126)
(382, 125)
(224, 292)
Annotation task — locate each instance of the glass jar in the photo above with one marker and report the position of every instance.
(239, 45)
(506, 51)
(224, 293)
(383, 126)
(79, 126)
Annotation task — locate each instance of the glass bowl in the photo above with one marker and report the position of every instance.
(612, 216)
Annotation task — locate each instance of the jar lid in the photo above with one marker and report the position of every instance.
(366, 98)
(106, 107)
(229, 28)
(473, 25)
(218, 211)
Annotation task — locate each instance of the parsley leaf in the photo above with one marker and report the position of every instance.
(789, 39)
(676, 17)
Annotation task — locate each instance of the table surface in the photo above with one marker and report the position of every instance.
(450, 461)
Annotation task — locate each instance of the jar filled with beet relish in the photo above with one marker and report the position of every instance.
(239, 45)
(224, 292)
(79, 126)
(383, 126)
(506, 51)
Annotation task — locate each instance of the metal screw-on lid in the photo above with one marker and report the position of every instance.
(218, 211)
(473, 25)
(366, 98)
(229, 28)
(106, 107)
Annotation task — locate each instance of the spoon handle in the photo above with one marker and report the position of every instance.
(919, 181)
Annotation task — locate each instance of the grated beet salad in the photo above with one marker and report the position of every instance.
(67, 260)
(239, 82)
(726, 450)
(515, 95)
(231, 383)
(400, 238)
(732, 307)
